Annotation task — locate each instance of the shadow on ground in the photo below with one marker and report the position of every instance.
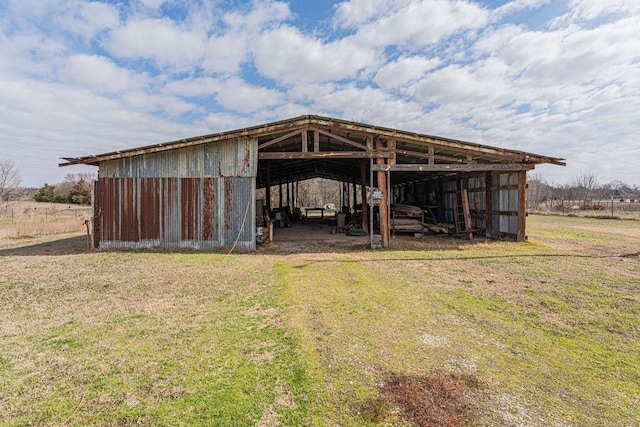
(64, 246)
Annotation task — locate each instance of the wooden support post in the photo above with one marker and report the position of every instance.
(353, 187)
(487, 209)
(304, 141)
(522, 206)
(288, 194)
(384, 212)
(268, 185)
(280, 193)
(391, 161)
(363, 190)
(466, 213)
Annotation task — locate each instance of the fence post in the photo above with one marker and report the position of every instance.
(611, 206)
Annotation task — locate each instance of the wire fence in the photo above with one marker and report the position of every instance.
(623, 209)
(24, 219)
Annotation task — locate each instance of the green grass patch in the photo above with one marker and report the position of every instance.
(538, 333)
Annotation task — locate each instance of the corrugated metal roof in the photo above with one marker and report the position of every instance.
(300, 148)
(407, 141)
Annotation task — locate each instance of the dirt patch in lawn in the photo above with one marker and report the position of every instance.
(441, 399)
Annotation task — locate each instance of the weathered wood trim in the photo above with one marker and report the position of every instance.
(430, 156)
(298, 124)
(279, 139)
(340, 138)
(510, 167)
(305, 147)
(325, 155)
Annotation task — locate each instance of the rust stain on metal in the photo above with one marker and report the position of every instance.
(208, 225)
(129, 215)
(228, 203)
(246, 163)
(149, 208)
(190, 202)
(109, 221)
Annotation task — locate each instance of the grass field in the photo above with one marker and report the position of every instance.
(431, 332)
(28, 219)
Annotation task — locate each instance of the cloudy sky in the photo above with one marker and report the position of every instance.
(554, 77)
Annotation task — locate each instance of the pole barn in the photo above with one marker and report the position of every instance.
(200, 192)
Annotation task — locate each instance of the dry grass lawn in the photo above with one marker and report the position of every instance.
(542, 333)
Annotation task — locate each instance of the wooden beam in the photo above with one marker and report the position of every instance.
(522, 206)
(268, 186)
(506, 167)
(391, 145)
(340, 138)
(382, 185)
(431, 156)
(316, 141)
(304, 141)
(487, 207)
(325, 155)
(455, 145)
(363, 191)
(281, 138)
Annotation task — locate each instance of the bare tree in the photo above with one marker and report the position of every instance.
(9, 181)
(538, 191)
(586, 182)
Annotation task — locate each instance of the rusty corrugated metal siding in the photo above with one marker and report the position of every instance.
(200, 197)
(237, 158)
(200, 213)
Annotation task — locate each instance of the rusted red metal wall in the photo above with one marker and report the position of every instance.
(200, 197)
(200, 213)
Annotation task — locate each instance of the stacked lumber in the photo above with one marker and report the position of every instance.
(407, 210)
(407, 225)
(410, 219)
(439, 228)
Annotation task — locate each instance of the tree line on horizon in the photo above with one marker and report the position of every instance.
(584, 190)
(75, 189)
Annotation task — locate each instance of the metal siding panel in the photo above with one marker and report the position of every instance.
(171, 210)
(210, 208)
(239, 213)
(190, 202)
(150, 209)
(194, 157)
(209, 161)
(228, 158)
(233, 158)
(129, 211)
(106, 208)
(513, 201)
